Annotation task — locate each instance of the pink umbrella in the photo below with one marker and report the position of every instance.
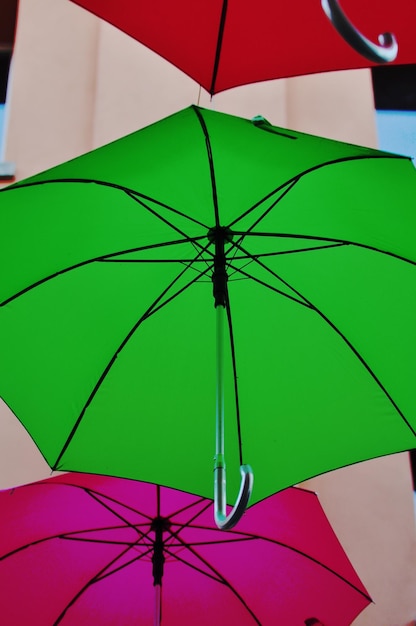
(226, 43)
(81, 549)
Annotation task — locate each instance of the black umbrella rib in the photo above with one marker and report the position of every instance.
(332, 242)
(310, 558)
(152, 309)
(282, 190)
(235, 378)
(206, 504)
(219, 46)
(140, 199)
(138, 557)
(262, 255)
(295, 179)
(29, 545)
(326, 567)
(107, 257)
(175, 556)
(130, 192)
(204, 128)
(99, 498)
(366, 365)
(213, 573)
(245, 274)
(94, 493)
(71, 536)
(209, 542)
(247, 536)
(194, 241)
(97, 577)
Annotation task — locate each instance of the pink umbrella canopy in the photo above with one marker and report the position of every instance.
(82, 549)
(226, 43)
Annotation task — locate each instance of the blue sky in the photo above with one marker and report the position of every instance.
(1, 122)
(397, 132)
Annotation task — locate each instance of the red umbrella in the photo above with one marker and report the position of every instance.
(82, 549)
(226, 43)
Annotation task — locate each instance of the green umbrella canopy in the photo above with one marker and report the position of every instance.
(109, 352)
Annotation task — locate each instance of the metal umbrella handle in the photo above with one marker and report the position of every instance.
(222, 520)
(385, 52)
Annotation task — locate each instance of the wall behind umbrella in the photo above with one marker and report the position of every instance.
(76, 84)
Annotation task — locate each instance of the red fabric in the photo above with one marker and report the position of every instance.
(273, 39)
(77, 549)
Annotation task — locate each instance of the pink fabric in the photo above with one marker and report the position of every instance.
(76, 550)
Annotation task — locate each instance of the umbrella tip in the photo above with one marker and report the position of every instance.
(258, 120)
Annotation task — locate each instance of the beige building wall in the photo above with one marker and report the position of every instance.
(77, 83)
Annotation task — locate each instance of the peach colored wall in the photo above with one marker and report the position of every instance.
(78, 83)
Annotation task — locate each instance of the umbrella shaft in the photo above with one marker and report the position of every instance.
(219, 461)
(158, 605)
(220, 314)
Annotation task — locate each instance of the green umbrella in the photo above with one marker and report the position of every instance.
(117, 357)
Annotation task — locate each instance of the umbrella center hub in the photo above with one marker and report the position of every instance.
(219, 236)
(159, 525)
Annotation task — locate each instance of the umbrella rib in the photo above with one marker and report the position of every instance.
(103, 258)
(96, 578)
(326, 567)
(249, 260)
(235, 378)
(71, 536)
(215, 575)
(333, 242)
(106, 542)
(139, 557)
(366, 365)
(283, 189)
(247, 536)
(141, 196)
(231, 536)
(90, 492)
(130, 192)
(239, 270)
(68, 534)
(153, 308)
(29, 545)
(139, 200)
(219, 46)
(189, 507)
(200, 117)
(182, 560)
(262, 255)
(294, 179)
(192, 240)
(97, 498)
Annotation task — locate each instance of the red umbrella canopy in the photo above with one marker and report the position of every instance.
(226, 43)
(81, 549)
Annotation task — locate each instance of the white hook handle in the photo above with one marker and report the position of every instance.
(385, 52)
(222, 520)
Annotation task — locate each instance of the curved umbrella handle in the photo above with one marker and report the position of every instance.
(385, 52)
(222, 520)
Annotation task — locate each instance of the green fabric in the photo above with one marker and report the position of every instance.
(324, 332)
